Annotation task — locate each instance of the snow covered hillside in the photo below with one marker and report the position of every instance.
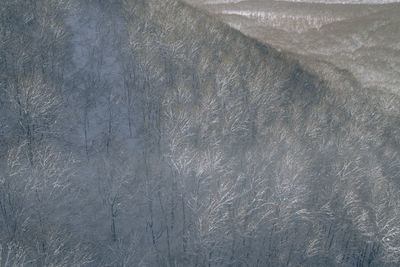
(150, 133)
(360, 36)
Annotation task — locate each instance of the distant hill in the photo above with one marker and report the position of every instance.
(360, 36)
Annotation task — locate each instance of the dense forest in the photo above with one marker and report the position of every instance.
(148, 133)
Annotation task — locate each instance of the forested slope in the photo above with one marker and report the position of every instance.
(170, 139)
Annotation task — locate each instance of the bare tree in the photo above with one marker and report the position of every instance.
(115, 177)
(38, 108)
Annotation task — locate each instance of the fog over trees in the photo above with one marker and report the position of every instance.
(149, 133)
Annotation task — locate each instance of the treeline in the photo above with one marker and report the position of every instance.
(35, 171)
(180, 142)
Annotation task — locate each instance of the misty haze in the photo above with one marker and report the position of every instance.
(199, 133)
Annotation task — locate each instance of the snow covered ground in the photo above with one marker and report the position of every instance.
(362, 36)
(343, 2)
(378, 2)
